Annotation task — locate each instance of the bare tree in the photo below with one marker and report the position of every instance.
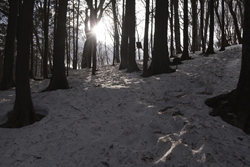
(235, 20)
(222, 26)
(177, 27)
(145, 45)
(116, 34)
(210, 49)
(23, 113)
(46, 38)
(9, 49)
(130, 12)
(159, 62)
(59, 79)
(185, 53)
(194, 26)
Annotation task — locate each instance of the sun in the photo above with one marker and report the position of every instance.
(100, 31)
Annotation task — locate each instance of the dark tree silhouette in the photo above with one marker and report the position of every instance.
(222, 26)
(86, 54)
(116, 34)
(171, 29)
(59, 79)
(23, 113)
(234, 107)
(46, 38)
(177, 27)
(9, 49)
(194, 26)
(160, 57)
(232, 11)
(124, 41)
(210, 49)
(185, 53)
(202, 25)
(206, 23)
(130, 11)
(145, 45)
(128, 39)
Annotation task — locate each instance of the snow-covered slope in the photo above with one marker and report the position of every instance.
(118, 119)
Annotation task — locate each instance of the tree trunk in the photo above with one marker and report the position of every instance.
(222, 27)
(210, 49)
(23, 113)
(177, 27)
(55, 20)
(116, 34)
(130, 11)
(152, 26)
(86, 54)
(202, 26)
(206, 26)
(9, 49)
(171, 29)
(145, 45)
(124, 43)
(1, 65)
(69, 45)
(77, 31)
(59, 79)
(236, 26)
(74, 38)
(185, 54)
(93, 23)
(159, 62)
(194, 26)
(31, 71)
(46, 38)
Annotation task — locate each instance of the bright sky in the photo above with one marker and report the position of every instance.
(101, 32)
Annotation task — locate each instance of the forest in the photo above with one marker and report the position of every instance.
(66, 62)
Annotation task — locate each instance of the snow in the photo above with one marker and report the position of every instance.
(119, 119)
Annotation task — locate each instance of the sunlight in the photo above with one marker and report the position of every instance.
(100, 31)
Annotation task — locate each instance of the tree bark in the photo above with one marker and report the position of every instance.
(194, 26)
(171, 29)
(46, 38)
(185, 54)
(222, 26)
(130, 11)
(210, 49)
(177, 27)
(77, 31)
(23, 113)
(202, 26)
(9, 49)
(116, 34)
(86, 54)
(159, 62)
(74, 38)
(145, 45)
(124, 43)
(206, 26)
(59, 79)
(236, 26)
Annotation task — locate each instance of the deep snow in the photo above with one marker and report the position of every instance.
(119, 119)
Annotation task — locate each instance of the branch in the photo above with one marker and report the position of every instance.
(101, 11)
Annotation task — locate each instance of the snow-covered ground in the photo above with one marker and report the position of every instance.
(119, 119)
